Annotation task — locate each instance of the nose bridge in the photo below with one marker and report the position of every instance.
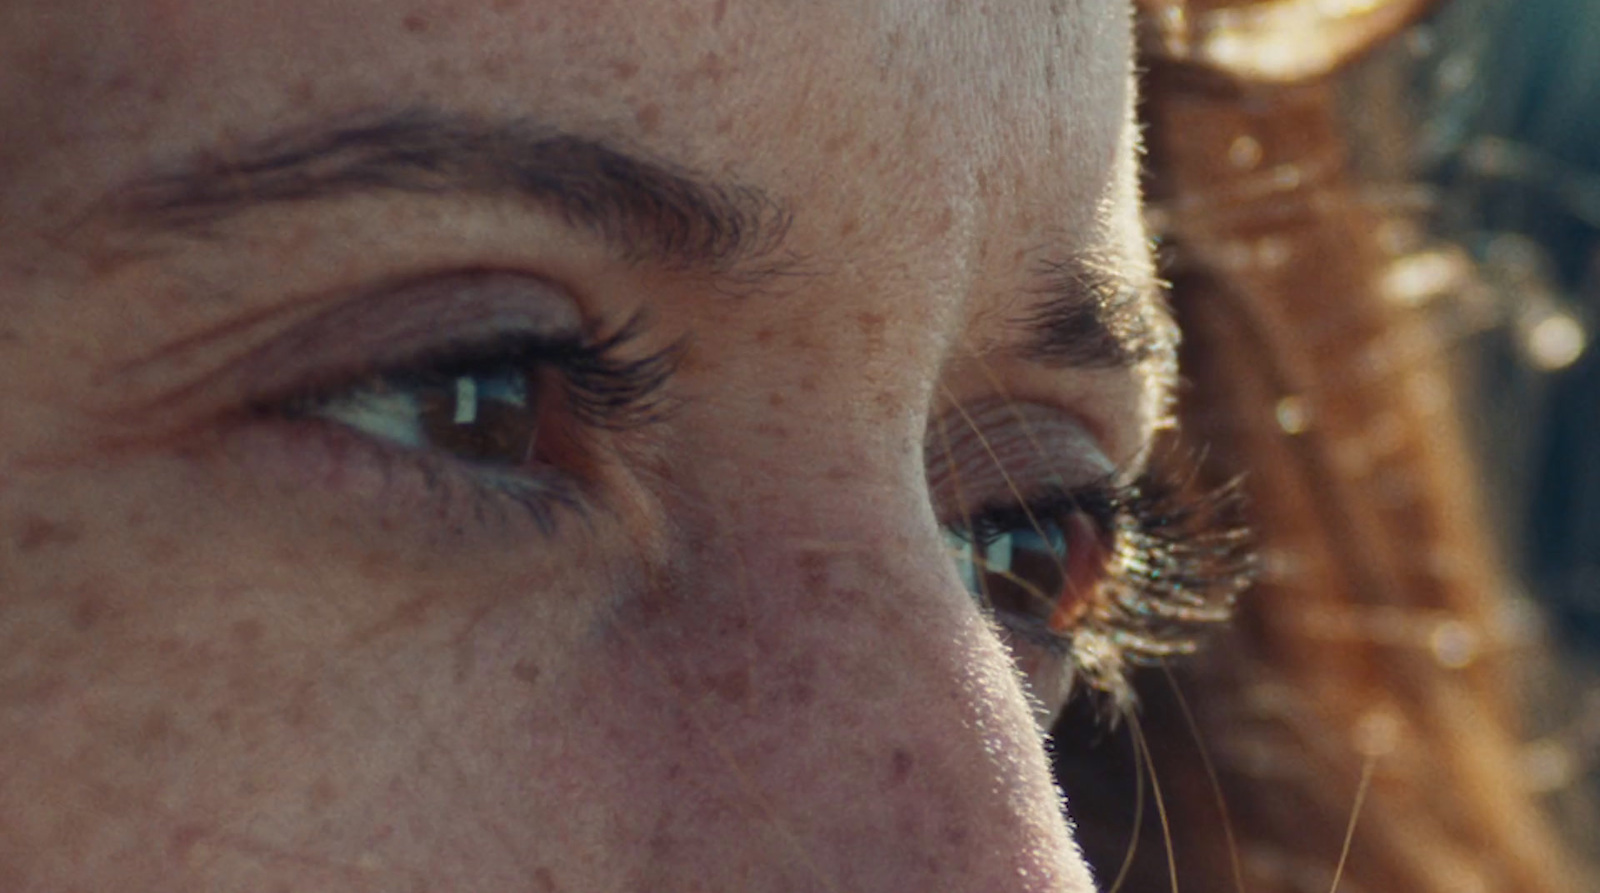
(846, 698)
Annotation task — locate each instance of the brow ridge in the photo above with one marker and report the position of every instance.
(647, 210)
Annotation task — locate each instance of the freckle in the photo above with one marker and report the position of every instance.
(764, 336)
(719, 11)
(886, 402)
(526, 671)
(624, 69)
(222, 719)
(248, 632)
(724, 125)
(163, 550)
(301, 710)
(732, 686)
(833, 145)
(947, 219)
(901, 762)
(544, 881)
(649, 118)
(183, 839)
(414, 23)
(154, 731)
(322, 794)
(711, 66)
(808, 384)
(814, 573)
(849, 227)
(874, 149)
(37, 533)
(799, 681)
(121, 82)
(88, 612)
(775, 399)
(839, 473)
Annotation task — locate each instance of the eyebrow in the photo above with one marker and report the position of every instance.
(1093, 315)
(646, 211)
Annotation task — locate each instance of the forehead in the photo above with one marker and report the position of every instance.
(976, 101)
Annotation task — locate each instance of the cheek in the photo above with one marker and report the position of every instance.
(189, 696)
(193, 699)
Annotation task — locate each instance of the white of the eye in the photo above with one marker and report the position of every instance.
(392, 416)
(466, 400)
(997, 556)
(965, 565)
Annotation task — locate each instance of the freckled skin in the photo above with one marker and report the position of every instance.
(750, 666)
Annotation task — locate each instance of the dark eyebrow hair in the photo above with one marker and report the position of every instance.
(1093, 315)
(647, 211)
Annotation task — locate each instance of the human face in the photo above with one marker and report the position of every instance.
(264, 625)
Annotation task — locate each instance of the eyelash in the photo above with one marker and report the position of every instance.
(600, 387)
(1177, 561)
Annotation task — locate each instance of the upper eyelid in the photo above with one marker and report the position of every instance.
(243, 364)
(1020, 436)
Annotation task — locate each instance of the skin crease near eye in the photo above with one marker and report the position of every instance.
(714, 644)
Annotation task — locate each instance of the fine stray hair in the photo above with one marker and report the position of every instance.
(1324, 742)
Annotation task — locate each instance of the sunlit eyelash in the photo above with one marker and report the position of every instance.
(1176, 561)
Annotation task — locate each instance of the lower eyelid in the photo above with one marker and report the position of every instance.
(400, 489)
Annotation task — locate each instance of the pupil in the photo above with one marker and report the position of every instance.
(487, 418)
(1024, 573)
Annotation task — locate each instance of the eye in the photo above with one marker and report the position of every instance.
(1102, 577)
(456, 433)
(1037, 568)
(483, 410)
